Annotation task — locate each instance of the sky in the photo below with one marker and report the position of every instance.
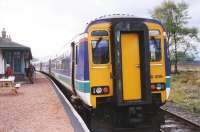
(46, 25)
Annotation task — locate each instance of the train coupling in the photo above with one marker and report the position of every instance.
(135, 115)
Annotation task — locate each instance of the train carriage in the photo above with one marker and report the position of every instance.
(118, 61)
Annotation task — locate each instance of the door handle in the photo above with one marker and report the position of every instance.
(138, 65)
(111, 76)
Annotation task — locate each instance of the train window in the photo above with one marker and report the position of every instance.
(155, 49)
(99, 33)
(76, 57)
(100, 51)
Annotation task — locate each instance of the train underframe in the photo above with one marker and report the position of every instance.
(131, 116)
(108, 113)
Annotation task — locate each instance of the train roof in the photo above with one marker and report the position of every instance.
(114, 17)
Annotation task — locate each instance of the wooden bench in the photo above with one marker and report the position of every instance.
(8, 83)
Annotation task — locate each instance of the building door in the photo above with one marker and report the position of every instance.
(131, 66)
(8, 59)
(17, 61)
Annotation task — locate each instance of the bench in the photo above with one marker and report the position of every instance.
(8, 83)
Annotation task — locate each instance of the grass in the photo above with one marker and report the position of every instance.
(185, 90)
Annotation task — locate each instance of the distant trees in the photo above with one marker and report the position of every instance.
(180, 38)
(183, 57)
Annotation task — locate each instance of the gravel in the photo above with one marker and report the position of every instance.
(36, 108)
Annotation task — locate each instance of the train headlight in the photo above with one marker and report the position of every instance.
(158, 86)
(98, 90)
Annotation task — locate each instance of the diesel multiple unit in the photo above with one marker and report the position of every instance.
(117, 62)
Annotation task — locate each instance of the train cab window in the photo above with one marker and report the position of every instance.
(100, 51)
(99, 33)
(155, 49)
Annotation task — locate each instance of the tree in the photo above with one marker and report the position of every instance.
(174, 17)
(183, 57)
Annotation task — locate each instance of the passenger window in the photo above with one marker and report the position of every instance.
(100, 51)
(155, 49)
(76, 56)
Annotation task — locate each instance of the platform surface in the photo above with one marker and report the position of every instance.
(36, 108)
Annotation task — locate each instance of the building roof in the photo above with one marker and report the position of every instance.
(7, 44)
(10, 45)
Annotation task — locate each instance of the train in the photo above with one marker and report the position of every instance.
(118, 64)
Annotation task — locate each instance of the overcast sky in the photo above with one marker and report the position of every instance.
(46, 25)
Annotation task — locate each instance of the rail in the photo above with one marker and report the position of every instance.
(182, 118)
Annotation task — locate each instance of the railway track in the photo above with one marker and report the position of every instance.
(174, 123)
(163, 122)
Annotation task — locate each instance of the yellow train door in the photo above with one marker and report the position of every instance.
(131, 66)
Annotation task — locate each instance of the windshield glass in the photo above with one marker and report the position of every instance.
(155, 49)
(100, 51)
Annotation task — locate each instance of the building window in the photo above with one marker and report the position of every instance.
(14, 59)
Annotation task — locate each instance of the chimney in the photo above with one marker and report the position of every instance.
(9, 38)
(3, 33)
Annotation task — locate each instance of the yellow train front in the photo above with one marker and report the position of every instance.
(128, 64)
(118, 67)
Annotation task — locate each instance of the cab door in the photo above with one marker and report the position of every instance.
(100, 65)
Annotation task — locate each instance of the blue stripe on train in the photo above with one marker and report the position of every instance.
(80, 85)
(168, 82)
(167, 66)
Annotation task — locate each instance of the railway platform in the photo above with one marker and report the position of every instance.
(36, 108)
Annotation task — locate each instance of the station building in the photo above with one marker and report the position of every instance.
(17, 55)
